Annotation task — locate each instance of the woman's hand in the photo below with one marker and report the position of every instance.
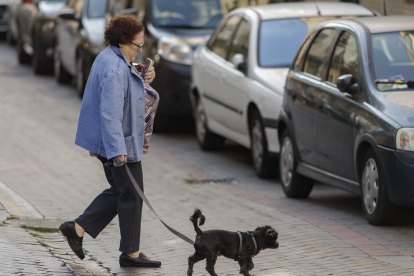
(150, 75)
(122, 158)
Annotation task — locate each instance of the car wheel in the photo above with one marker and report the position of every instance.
(264, 165)
(41, 65)
(378, 209)
(61, 75)
(22, 56)
(80, 75)
(294, 185)
(205, 138)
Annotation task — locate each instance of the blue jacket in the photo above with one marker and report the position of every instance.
(111, 120)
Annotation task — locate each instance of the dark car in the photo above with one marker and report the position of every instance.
(36, 27)
(80, 38)
(173, 29)
(348, 114)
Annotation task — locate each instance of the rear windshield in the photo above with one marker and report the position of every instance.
(276, 34)
(186, 13)
(393, 60)
(96, 8)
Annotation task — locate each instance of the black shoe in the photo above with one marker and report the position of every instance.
(141, 261)
(75, 242)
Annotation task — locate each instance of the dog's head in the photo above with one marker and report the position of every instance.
(269, 236)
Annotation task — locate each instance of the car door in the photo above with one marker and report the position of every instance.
(336, 111)
(235, 84)
(302, 93)
(212, 64)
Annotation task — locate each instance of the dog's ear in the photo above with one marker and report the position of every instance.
(271, 234)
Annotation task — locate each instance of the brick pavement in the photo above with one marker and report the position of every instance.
(41, 163)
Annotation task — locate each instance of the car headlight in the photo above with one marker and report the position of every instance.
(405, 139)
(174, 50)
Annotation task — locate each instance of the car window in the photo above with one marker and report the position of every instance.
(392, 57)
(96, 8)
(240, 43)
(301, 54)
(315, 61)
(345, 58)
(221, 41)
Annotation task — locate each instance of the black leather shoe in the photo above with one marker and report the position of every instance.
(75, 242)
(141, 261)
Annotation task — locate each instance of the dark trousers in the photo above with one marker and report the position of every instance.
(120, 199)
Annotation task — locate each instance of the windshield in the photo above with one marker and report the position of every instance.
(276, 34)
(96, 8)
(393, 59)
(186, 13)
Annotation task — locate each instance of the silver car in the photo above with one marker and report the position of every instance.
(239, 75)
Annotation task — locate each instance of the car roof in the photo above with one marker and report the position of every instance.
(386, 24)
(310, 9)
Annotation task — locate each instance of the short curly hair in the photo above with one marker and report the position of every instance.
(122, 28)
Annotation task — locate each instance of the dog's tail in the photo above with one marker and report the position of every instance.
(194, 218)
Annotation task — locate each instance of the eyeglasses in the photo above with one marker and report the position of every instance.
(139, 47)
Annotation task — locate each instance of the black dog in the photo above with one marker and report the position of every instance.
(213, 243)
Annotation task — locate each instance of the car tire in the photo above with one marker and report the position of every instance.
(22, 56)
(81, 78)
(206, 139)
(41, 65)
(294, 185)
(61, 75)
(264, 165)
(377, 207)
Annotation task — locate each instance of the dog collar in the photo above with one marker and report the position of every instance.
(239, 253)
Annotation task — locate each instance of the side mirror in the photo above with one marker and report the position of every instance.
(239, 63)
(133, 11)
(347, 84)
(68, 14)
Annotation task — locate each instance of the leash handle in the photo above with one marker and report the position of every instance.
(144, 198)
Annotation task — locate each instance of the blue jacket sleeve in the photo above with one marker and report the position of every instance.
(112, 109)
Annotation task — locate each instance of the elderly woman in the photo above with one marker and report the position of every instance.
(111, 125)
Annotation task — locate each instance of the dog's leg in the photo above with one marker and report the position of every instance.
(250, 264)
(244, 267)
(211, 262)
(191, 261)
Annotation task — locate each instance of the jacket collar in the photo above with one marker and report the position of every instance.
(121, 55)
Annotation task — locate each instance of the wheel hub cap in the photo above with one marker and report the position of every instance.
(200, 122)
(257, 144)
(286, 162)
(370, 186)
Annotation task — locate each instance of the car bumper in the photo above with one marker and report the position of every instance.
(172, 83)
(399, 170)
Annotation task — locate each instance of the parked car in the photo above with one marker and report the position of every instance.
(238, 77)
(12, 14)
(36, 24)
(347, 117)
(172, 31)
(4, 27)
(80, 38)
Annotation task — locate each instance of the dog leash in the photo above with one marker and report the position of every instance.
(144, 198)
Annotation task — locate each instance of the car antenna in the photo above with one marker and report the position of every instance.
(385, 8)
(319, 11)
